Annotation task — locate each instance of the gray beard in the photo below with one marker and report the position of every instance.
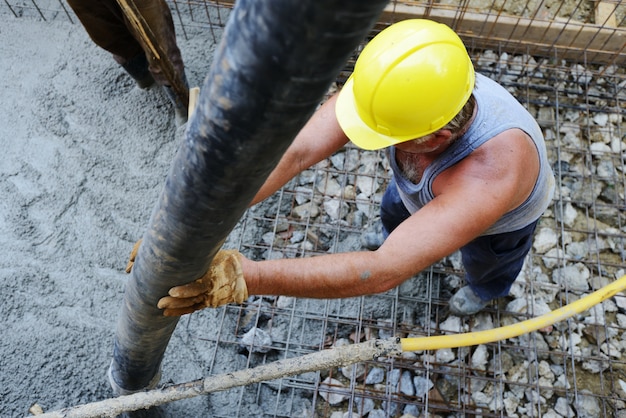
(411, 167)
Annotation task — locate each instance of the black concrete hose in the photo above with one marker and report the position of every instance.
(274, 64)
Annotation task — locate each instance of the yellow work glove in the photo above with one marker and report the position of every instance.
(223, 283)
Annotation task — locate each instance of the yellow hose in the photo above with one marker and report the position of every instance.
(514, 330)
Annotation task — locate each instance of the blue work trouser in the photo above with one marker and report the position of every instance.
(492, 262)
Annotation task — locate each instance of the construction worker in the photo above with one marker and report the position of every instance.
(470, 173)
(109, 28)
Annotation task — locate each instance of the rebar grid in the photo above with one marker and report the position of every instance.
(287, 227)
(569, 99)
(579, 103)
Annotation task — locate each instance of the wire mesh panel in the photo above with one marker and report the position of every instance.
(572, 368)
(564, 61)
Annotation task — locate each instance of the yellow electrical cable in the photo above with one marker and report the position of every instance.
(513, 330)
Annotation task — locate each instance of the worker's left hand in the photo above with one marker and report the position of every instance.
(223, 283)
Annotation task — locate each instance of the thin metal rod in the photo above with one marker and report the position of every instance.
(325, 359)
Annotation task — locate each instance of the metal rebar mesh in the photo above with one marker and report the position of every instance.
(575, 368)
(569, 369)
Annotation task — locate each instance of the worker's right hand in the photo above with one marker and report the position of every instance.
(223, 283)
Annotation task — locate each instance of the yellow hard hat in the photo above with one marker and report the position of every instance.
(409, 81)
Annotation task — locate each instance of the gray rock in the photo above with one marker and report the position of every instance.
(257, 340)
(328, 391)
(376, 375)
(422, 386)
(586, 405)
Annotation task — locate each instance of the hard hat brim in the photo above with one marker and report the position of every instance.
(353, 126)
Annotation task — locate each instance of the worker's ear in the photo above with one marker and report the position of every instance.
(442, 135)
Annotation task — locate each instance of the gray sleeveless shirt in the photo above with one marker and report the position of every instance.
(497, 111)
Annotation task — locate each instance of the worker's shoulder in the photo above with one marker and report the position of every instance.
(505, 151)
(508, 141)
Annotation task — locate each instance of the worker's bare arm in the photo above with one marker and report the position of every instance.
(437, 230)
(470, 198)
(318, 139)
(420, 241)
